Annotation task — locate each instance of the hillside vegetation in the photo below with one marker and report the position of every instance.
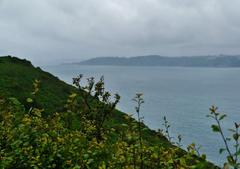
(16, 80)
(46, 123)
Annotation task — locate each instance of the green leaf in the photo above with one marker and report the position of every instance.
(230, 160)
(73, 95)
(238, 152)
(86, 156)
(124, 125)
(221, 150)
(232, 130)
(235, 136)
(228, 139)
(14, 101)
(222, 117)
(76, 167)
(204, 156)
(145, 129)
(29, 100)
(210, 116)
(215, 128)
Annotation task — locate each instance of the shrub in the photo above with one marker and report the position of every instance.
(81, 138)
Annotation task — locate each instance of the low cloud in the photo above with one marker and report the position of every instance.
(53, 31)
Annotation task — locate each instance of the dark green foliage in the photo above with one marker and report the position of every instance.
(16, 80)
(33, 141)
(17, 76)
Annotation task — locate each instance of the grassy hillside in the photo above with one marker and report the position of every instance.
(17, 77)
(16, 80)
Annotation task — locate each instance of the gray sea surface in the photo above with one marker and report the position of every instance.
(183, 95)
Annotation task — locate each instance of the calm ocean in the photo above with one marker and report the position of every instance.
(183, 95)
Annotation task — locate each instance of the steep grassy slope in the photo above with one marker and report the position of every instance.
(16, 80)
(17, 77)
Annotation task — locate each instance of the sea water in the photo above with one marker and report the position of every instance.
(183, 95)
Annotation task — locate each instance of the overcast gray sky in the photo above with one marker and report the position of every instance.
(55, 31)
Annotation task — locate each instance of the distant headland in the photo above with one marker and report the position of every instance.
(157, 60)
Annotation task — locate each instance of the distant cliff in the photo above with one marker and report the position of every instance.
(156, 60)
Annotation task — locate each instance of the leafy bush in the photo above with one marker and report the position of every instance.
(79, 136)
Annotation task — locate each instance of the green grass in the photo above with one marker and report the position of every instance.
(17, 77)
